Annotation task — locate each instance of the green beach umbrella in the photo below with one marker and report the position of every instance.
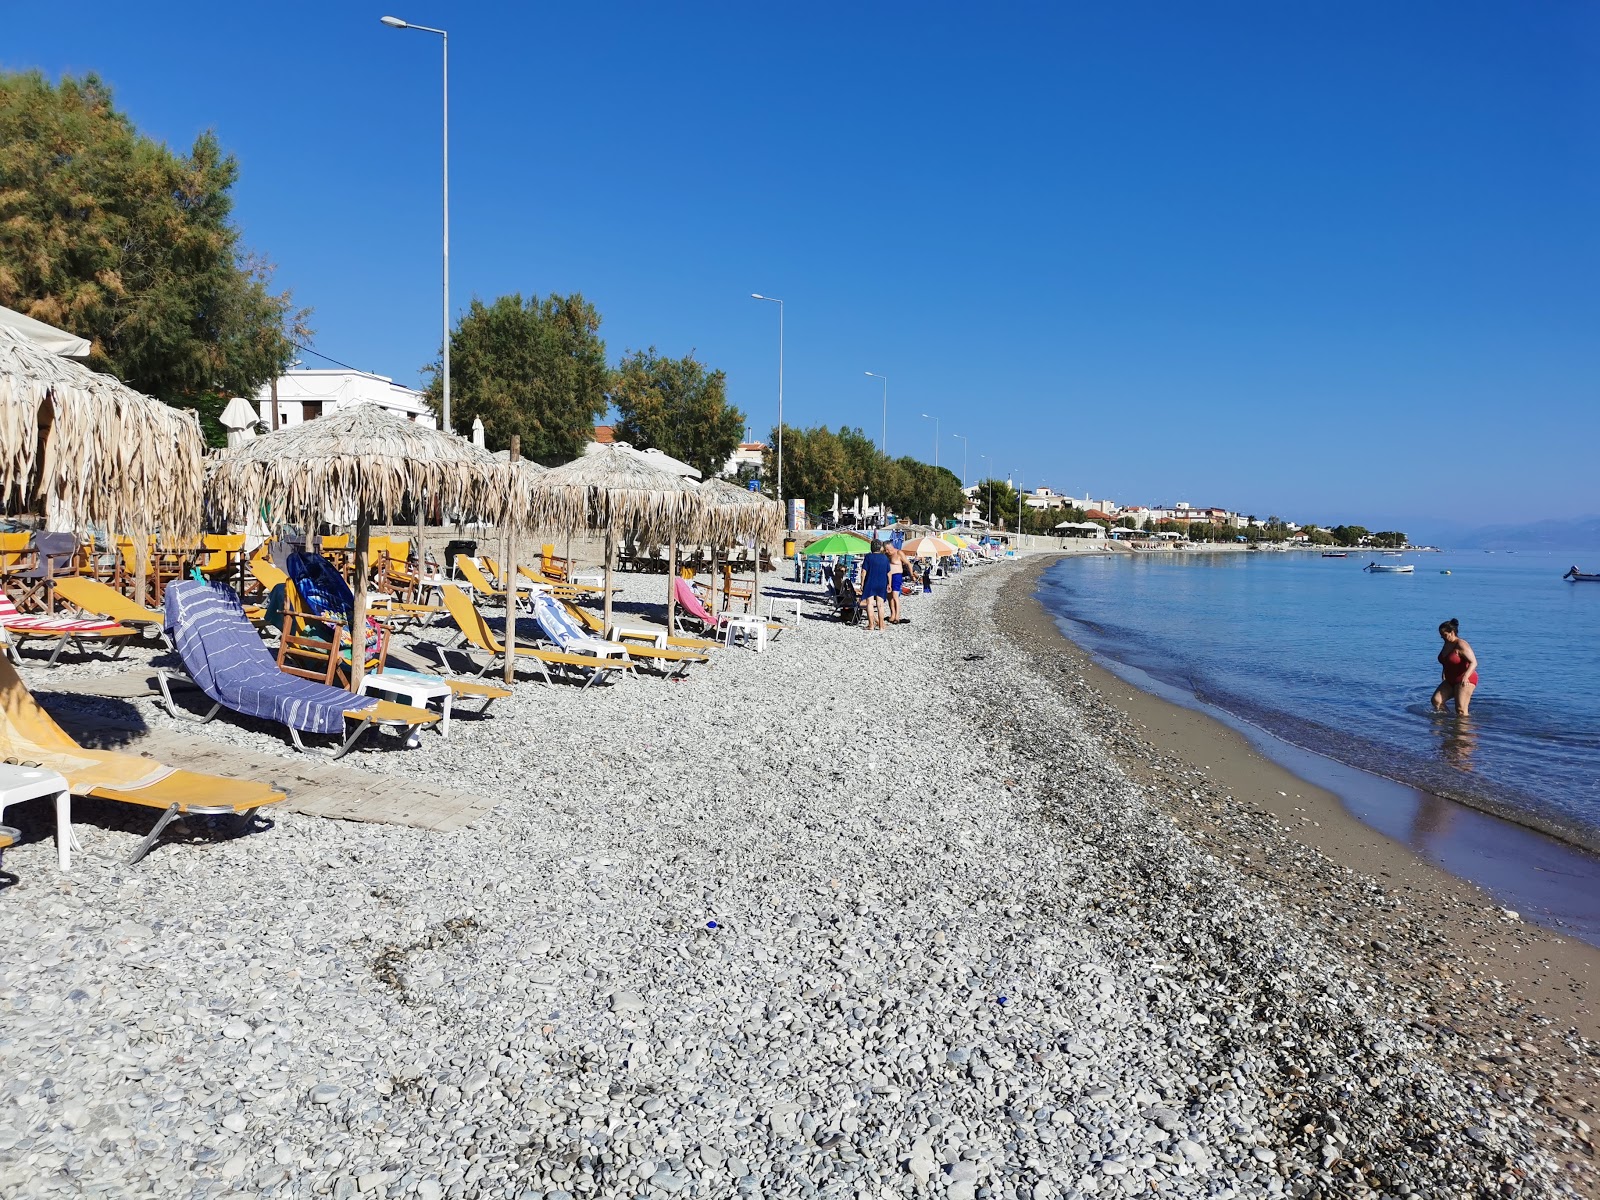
(839, 543)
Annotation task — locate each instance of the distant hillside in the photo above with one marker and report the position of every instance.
(1573, 533)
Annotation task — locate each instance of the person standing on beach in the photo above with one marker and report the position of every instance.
(1459, 670)
(875, 584)
(900, 565)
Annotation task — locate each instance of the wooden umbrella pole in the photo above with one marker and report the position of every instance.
(510, 569)
(358, 619)
(418, 563)
(141, 564)
(672, 584)
(611, 554)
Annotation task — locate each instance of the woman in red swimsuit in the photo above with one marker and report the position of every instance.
(1459, 670)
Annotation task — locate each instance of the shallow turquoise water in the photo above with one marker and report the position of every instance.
(1342, 662)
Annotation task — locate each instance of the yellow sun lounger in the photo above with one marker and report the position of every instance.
(28, 734)
(476, 633)
(102, 600)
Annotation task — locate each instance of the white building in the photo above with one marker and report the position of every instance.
(749, 454)
(307, 395)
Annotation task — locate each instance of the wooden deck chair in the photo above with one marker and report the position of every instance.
(476, 634)
(29, 734)
(12, 548)
(323, 655)
(217, 561)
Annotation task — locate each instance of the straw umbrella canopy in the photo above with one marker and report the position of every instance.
(733, 514)
(93, 450)
(616, 491)
(368, 460)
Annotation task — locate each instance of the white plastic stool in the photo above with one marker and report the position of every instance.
(29, 783)
(750, 629)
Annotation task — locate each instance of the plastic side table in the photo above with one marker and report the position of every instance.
(29, 783)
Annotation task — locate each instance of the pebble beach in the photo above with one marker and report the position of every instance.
(867, 915)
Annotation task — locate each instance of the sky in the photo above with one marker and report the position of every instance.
(1332, 262)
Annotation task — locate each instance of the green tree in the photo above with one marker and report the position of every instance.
(1349, 535)
(678, 407)
(111, 235)
(534, 368)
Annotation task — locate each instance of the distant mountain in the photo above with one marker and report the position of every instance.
(1572, 533)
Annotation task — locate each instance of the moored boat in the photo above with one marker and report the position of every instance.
(1578, 576)
(1336, 554)
(1389, 568)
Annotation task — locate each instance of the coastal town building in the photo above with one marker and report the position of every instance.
(307, 395)
(749, 454)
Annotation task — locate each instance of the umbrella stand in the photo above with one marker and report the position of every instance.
(358, 619)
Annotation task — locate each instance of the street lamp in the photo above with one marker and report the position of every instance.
(935, 421)
(397, 23)
(883, 445)
(779, 303)
(963, 457)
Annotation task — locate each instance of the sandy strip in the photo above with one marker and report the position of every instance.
(1510, 1002)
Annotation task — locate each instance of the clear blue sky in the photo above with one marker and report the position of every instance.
(1330, 261)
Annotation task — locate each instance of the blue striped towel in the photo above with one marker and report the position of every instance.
(228, 662)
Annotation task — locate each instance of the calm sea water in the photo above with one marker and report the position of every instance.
(1342, 662)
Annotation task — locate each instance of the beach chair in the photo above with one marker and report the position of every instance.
(227, 661)
(29, 734)
(592, 623)
(90, 597)
(694, 608)
(471, 574)
(476, 634)
(33, 578)
(568, 635)
(62, 630)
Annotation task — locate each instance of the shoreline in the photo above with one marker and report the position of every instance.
(1490, 843)
(1485, 978)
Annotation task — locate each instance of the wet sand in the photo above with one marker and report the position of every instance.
(1498, 998)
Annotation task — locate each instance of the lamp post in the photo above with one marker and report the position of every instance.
(779, 303)
(397, 23)
(963, 457)
(883, 444)
(935, 421)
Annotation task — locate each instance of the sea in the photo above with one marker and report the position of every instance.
(1326, 658)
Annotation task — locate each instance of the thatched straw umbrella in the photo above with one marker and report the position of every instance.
(92, 451)
(367, 460)
(617, 491)
(733, 514)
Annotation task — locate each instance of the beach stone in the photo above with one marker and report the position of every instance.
(325, 1093)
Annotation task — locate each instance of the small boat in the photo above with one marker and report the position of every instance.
(1336, 554)
(1444, 572)
(1389, 568)
(1578, 576)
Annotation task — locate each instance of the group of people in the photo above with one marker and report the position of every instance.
(880, 577)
